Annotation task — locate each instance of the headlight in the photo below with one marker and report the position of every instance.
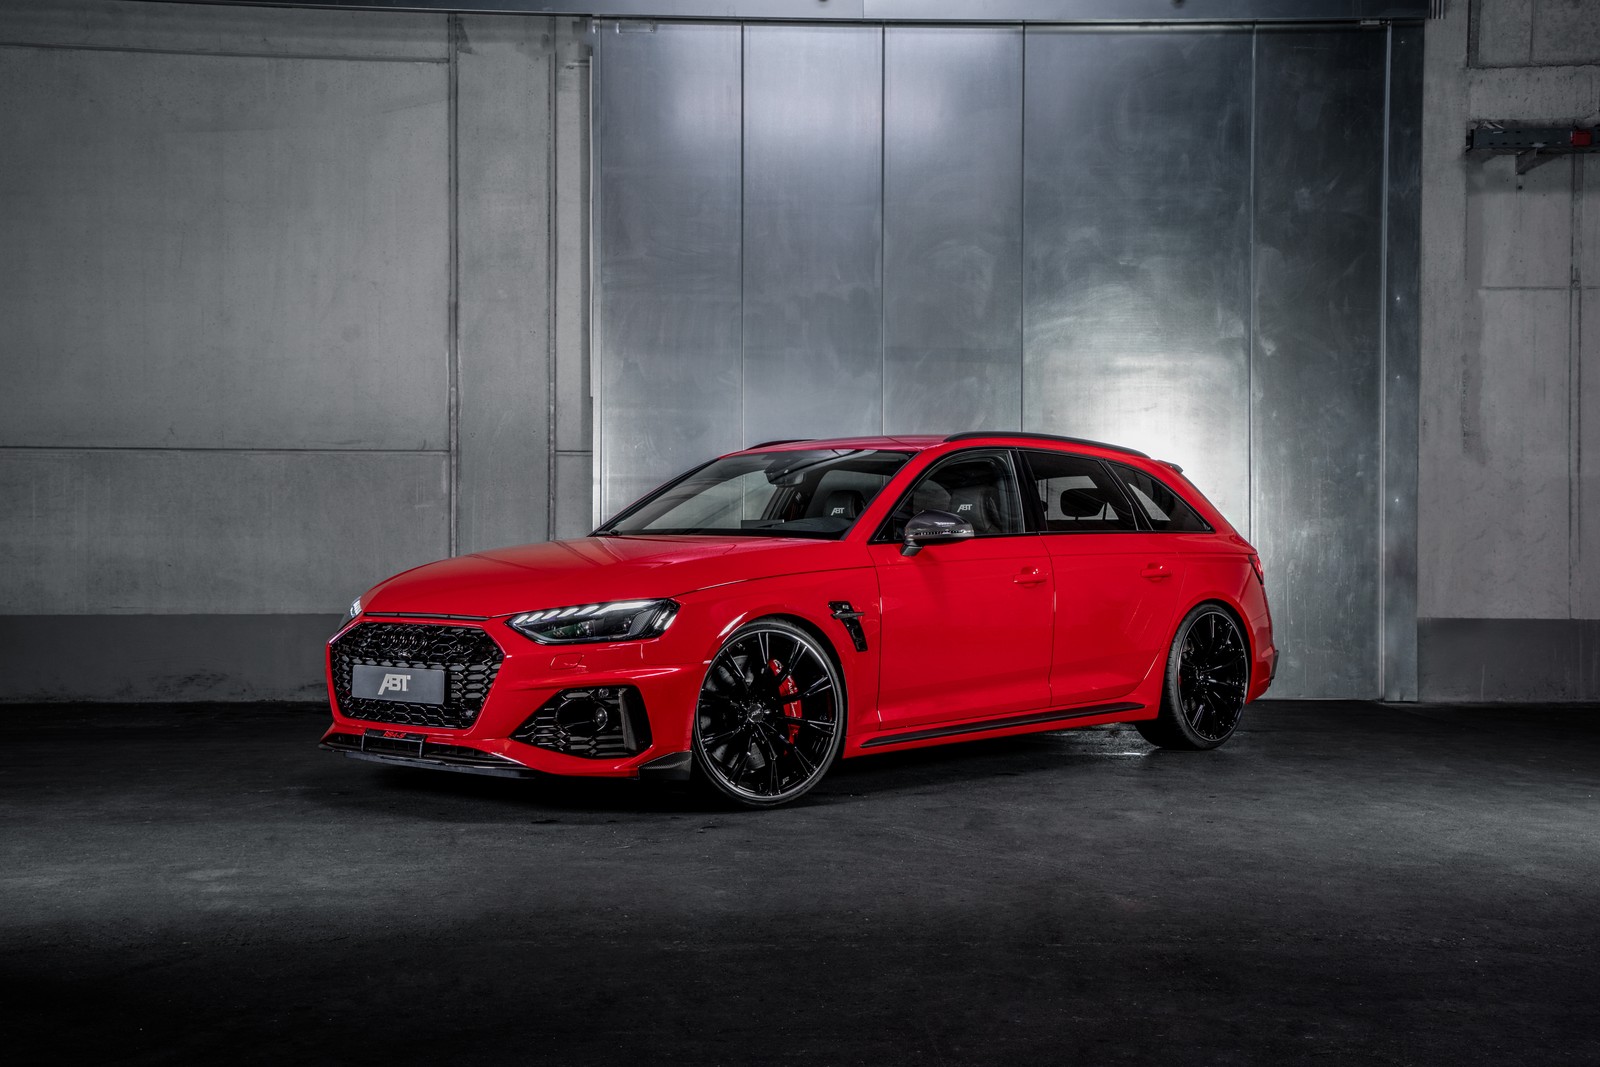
(355, 608)
(620, 620)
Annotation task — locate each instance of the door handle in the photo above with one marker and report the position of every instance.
(1155, 571)
(1031, 576)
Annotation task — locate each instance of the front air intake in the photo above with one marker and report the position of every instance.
(603, 722)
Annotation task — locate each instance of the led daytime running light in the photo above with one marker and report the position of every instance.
(617, 620)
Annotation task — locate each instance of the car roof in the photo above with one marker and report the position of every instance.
(915, 442)
(919, 442)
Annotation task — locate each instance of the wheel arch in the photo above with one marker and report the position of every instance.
(736, 620)
(1234, 611)
(810, 627)
(815, 631)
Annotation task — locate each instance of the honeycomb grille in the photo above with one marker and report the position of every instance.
(468, 655)
(601, 723)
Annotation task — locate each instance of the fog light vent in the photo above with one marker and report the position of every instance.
(599, 722)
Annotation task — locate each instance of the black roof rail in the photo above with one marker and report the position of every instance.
(973, 434)
(779, 441)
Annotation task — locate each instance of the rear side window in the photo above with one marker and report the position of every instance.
(1166, 512)
(1077, 495)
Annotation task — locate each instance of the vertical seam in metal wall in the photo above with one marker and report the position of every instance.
(1473, 21)
(453, 317)
(1250, 309)
(1575, 390)
(552, 176)
(744, 33)
(883, 224)
(1383, 370)
(597, 410)
(1022, 245)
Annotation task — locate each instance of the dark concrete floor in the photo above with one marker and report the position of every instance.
(1343, 883)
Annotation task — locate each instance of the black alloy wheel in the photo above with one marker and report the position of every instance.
(771, 714)
(1208, 677)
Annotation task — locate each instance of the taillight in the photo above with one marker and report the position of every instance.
(1255, 565)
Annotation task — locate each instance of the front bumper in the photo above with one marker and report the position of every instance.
(529, 675)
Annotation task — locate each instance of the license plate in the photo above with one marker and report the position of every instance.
(410, 685)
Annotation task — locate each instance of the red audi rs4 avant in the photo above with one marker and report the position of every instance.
(774, 610)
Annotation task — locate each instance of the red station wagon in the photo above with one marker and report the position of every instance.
(776, 609)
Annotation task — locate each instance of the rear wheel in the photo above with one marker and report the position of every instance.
(1208, 675)
(771, 715)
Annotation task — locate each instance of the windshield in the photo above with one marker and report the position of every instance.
(809, 493)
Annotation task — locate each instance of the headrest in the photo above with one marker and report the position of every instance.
(1082, 503)
(975, 504)
(842, 504)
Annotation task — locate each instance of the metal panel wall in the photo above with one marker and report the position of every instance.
(952, 229)
(1316, 439)
(1137, 268)
(1174, 238)
(813, 105)
(667, 251)
(503, 282)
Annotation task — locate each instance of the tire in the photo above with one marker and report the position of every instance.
(770, 718)
(1208, 676)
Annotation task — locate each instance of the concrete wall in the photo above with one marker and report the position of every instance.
(286, 303)
(1509, 522)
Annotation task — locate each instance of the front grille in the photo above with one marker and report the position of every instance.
(606, 722)
(468, 655)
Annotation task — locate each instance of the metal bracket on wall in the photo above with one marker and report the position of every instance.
(1532, 145)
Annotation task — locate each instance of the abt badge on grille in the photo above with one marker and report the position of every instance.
(410, 685)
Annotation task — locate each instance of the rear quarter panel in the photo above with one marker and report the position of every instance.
(1218, 569)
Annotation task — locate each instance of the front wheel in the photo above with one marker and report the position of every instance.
(1208, 676)
(771, 715)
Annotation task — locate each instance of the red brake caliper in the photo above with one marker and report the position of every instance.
(788, 688)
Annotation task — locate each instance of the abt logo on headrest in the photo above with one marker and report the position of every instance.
(395, 683)
(964, 507)
(838, 511)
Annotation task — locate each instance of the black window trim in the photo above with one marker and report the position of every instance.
(881, 537)
(1033, 518)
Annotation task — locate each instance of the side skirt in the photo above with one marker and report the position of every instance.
(1042, 719)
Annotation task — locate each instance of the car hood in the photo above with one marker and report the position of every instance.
(590, 570)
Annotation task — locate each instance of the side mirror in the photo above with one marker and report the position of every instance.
(926, 527)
